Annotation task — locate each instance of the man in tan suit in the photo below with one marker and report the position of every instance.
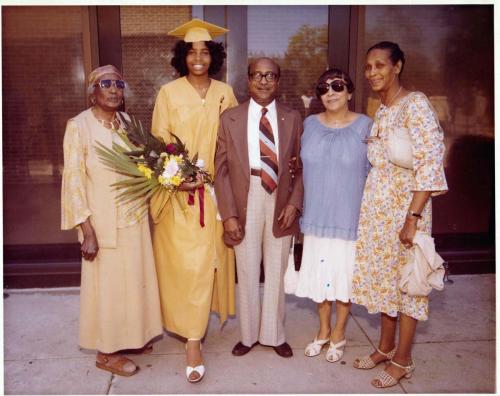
(260, 201)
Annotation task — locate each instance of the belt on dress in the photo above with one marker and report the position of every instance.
(255, 172)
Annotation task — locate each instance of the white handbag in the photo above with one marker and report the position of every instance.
(291, 276)
(399, 148)
(424, 270)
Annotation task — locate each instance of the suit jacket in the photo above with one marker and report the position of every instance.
(232, 169)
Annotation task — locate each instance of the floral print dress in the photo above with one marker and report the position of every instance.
(386, 199)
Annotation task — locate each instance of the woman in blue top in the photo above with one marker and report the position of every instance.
(334, 169)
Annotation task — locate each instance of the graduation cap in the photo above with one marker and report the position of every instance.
(197, 30)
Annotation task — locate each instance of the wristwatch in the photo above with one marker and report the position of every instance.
(411, 214)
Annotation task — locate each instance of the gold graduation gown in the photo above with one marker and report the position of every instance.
(186, 253)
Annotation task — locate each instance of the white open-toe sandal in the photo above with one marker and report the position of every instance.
(198, 369)
(335, 351)
(314, 348)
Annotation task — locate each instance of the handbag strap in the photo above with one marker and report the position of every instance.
(405, 100)
(405, 104)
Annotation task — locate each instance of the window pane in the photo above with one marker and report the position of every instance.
(43, 86)
(296, 37)
(449, 57)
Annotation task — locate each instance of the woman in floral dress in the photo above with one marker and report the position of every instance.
(395, 205)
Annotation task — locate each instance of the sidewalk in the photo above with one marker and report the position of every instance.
(454, 351)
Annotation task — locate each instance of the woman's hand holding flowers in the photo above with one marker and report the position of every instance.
(192, 184)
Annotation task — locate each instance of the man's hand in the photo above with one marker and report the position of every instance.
(233, 228)
(287, 216)
(291, 165)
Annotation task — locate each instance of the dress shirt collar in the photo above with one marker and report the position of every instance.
(256, 109)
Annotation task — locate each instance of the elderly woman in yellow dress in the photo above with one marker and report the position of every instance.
(396, 203)
(195, 268)
(119, 298)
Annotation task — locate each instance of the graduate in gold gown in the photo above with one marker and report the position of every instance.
(195, 269)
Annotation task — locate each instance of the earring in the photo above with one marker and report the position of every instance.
(92, 100)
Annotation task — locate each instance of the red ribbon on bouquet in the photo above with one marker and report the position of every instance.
(201, 198)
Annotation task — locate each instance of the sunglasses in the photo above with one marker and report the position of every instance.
(106, 84)
(324, 87)
(269, 76)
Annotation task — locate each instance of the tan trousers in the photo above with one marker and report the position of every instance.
(264, 324)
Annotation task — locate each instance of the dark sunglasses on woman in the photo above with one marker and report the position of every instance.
(324, 87)
(106, 84)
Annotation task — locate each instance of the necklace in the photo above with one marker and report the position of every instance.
(394, 97)
(107, 124)
(338, 122)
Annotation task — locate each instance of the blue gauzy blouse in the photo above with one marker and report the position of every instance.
(334, 171)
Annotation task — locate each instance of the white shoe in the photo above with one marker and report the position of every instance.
(335, 351)
(314, 348)
(198, 369)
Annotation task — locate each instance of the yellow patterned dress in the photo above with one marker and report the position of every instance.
(119, 299)
(386, 199)
(187, 254)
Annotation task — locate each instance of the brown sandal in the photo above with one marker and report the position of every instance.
(116, 365)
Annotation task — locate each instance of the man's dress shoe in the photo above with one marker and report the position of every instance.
(283, 350)
(240, 349)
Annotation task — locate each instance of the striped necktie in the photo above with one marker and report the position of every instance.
(268, 158)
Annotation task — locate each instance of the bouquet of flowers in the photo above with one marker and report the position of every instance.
(149, 163)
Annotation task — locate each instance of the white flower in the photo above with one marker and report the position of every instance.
(170, 169)
(200, 163)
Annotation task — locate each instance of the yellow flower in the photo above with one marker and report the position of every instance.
(176, 180)
(147, 172)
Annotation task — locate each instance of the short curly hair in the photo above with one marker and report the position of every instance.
(181, 49)
(330, 74)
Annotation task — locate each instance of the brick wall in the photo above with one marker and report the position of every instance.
(147, 53)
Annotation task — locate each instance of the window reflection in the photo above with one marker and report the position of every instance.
(449, 50)
(296, 37)
(43, 86)
(449, 57)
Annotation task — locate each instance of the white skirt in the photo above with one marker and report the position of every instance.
(326, 269)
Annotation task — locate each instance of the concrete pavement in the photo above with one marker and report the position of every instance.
(454, 351)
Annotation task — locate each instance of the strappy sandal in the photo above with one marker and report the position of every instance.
(115, 364)
(200, 369)
(366, 362)
(336, 351)
(314, 348)
(385, 380)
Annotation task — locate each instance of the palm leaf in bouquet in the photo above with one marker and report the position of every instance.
(117, 160)
(149, 164)
(143, 144)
